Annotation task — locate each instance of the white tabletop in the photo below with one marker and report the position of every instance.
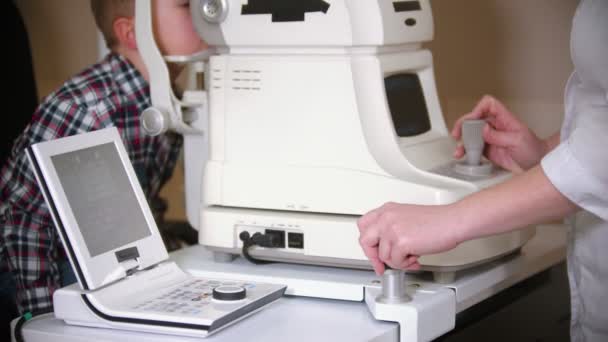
(312, 319)
(291, 319)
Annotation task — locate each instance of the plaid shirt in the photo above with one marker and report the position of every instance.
(109, 93)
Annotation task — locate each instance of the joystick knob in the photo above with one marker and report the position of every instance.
(472, 138)
(229, 293)
(393, 288)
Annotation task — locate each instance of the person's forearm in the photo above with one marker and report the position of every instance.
(551, 142)
(526, 199)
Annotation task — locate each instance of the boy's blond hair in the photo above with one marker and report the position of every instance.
(106, 11)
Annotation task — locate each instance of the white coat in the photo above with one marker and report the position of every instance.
(578, 168)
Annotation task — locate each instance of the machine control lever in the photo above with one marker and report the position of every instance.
(393, 287)
(472, 138)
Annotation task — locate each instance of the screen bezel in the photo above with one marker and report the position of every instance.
(100, 270)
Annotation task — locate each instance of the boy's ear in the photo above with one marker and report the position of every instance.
(124, 30)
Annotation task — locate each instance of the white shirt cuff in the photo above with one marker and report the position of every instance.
(571, 178)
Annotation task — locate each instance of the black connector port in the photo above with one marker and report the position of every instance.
(275, 238)
(295, 240)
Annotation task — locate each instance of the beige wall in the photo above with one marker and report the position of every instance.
(63, 39)
(516, 50)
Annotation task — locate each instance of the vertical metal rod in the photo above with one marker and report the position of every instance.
(393, 287)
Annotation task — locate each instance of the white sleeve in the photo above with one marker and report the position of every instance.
(578, 167)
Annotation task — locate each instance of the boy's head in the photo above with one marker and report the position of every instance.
(106, 12)
(174, 33)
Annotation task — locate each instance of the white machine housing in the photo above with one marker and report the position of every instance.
(318, 113)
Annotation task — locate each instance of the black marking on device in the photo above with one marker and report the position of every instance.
(285, 10)
(406, 6)
(127, 254)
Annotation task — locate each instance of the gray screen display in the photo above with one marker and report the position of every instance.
(101, 197)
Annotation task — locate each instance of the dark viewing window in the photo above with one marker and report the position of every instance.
(406, 6)
(407, 105)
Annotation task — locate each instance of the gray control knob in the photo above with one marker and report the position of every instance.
(154, 121)
(229, 293)
(214, 11)
(393, 288)
(472, 138)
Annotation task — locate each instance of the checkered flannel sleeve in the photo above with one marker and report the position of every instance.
(29, 241)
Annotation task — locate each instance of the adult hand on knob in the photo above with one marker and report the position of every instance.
(510, 144)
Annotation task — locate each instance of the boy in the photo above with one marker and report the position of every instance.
(112, 92)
